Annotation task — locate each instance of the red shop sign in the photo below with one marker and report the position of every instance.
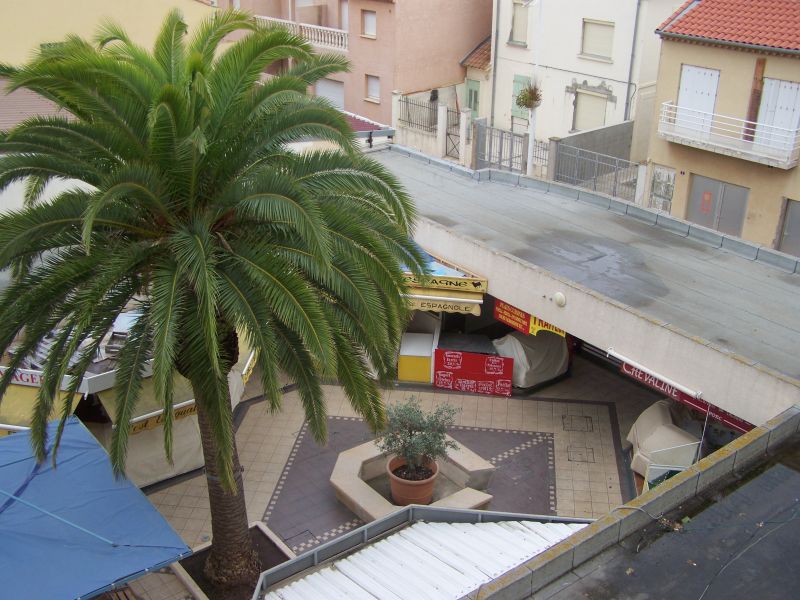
(671, 391)
(512, 316)
(471, 372)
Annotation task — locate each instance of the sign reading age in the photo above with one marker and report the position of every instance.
(472, 372)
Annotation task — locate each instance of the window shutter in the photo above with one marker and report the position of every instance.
(519, 23)
(598, 38)
(590, 111)
(369, 22)
(373, 87)
(520, 81)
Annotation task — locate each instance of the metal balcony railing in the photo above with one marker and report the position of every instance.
(326, 37)
(748, 140)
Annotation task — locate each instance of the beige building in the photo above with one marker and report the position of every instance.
(26, 24)
(392, 45)
(725, 143)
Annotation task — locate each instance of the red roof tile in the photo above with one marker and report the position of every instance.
(480, 57)
(768, 23)
(363, 124)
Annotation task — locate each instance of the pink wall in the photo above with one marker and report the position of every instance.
(371, 57)
(434, 36)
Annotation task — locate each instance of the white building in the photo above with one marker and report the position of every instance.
(596, 63)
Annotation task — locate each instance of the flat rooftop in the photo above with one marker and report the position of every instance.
(736, 304)
(742, 543)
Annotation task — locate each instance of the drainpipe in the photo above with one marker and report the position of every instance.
(494, 59)
(630, 66)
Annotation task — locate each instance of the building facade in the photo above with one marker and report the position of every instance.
(594, 61)
(392, 45)
(724, 149)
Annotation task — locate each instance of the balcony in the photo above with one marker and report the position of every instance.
(324, 37)
(757, 142)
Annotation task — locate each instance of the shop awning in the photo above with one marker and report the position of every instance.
(17, 405)
(148, 404)
(74, 531)
(448, 289)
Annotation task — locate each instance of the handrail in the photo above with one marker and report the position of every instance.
(757, 140)
(329, 37)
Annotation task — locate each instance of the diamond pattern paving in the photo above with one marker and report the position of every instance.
(304, 511)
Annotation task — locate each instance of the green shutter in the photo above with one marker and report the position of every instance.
(520, 81)
(473, 95)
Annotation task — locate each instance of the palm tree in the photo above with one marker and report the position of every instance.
(192, 206)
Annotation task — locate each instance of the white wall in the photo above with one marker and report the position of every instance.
(556, 45)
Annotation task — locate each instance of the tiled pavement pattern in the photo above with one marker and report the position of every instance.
(159, 585)
(583, 488)
(304, 511)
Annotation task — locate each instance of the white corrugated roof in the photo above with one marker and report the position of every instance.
(429, 561)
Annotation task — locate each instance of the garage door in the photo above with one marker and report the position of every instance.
(332, 90)
(717, 204)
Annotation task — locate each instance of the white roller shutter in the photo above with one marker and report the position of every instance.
(332, 90)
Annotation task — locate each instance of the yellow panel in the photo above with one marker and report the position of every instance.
(148, 402)
(414, 368)
(17, 405)
(437, 293)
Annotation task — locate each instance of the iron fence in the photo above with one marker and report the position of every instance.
(453, 135)
(499, 149)
(418, 114)
(541, 153)
(597, 172)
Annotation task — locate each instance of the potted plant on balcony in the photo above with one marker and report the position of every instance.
(414, 440)
(529, 96)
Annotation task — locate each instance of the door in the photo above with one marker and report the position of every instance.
(790, 236)
(717, 204)
(697, 97)
(473, 96)
(332, 90)
(778, 114)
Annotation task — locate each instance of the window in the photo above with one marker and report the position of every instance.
(519, 23)
(373, 88)
(473, 96)
(520, 81)
(344, 15)
(598, 37)
(590, 110)
(369, 23)
(332, 90)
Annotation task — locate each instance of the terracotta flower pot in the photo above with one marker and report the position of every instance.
(406, 492)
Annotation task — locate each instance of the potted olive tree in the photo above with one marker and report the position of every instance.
(414, 440)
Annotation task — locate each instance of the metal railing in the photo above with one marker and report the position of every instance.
(399, 518)
(499, 149)
(453, 133)
(753, 140)
(418, 114)
(597, 172)
(541, 153)
(327, 37)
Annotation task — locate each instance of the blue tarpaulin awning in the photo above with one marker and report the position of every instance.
(74, 531)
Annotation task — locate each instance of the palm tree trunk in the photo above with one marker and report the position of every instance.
(233, 559)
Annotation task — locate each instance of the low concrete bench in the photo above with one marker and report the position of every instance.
(465, 498)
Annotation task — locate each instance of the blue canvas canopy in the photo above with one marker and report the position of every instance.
(74, 531)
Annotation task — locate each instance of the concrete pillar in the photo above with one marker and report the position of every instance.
(641, 196)
(529, 166)
(552, 158)
(464, 126)
(441, 130)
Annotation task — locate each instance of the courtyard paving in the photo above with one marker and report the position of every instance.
(558, 451)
